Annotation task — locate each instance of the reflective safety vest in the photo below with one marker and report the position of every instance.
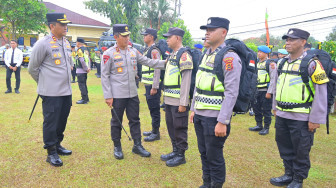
(147, 73)
(73, 56)
(209, 90)
(292, 95)
(97, 58)
(172, 78)
(263, 76)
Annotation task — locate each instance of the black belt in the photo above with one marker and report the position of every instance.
(292, 106)
(211, 93)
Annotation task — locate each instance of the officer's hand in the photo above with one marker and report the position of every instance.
(274, 113)
(313, 126)
(10, 67)
(182, 109)
(88, 70)
(268, 96)
(220, 130)
(153, 91)
(109, 102)
(191, 118)
(14, 69)
(71, 67)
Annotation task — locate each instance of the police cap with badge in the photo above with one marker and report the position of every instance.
(150, 31)
(58, 18)
(216, 22)
(296, 34)
(174, 31)
(122, 29)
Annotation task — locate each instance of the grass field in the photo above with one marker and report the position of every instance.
(251, 159)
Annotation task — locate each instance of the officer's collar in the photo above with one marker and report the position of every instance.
(174, 53)
(262, 61)
(299, 58)
(217, 49)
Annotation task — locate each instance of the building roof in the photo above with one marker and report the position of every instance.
(75, 18)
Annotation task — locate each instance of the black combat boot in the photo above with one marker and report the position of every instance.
(283, 180)
(296, 183)
(118, 154)
(171, 155)
(81, 102)
(206, 182)
(62, 151)
(139, 149)
(265, 130)
(53, 157)
(147, 133)
(216, 185)
(178, 159)
(8, 91)
(259, 127)
(155, 135)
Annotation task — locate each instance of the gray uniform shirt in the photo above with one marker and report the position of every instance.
(50, 66)
(157, 72)
(118, 71)
(231, 85)
(319, 106)
(185, 84)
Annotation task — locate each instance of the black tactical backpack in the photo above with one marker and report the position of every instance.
(248, 76)
(329, 67)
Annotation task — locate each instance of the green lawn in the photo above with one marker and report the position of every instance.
(251, 159)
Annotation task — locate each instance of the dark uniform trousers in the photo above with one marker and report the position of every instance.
(294, 142)
(9, 76)
(177, 125)
(73, 73)
(98, 68)
(153, 103)
(132, 112)
(55, 113)
(82, 78)
(262, 108)
(211, 147)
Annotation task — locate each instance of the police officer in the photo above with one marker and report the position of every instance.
(73, 56)
(177, 82)
(212, 120)
(120, 92)
(282, 53)
(151, 79)
(50, 66)
(97, 59)
(299, 110)
(262, 106)
(82, 69)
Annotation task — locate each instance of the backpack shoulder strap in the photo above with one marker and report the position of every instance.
(304, 71)
(179, 55)
(149, 52)
(218, 68)
(281, 64)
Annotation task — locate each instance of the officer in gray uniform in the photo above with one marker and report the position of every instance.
(50, 66)
(177, 81)
(298, 112)
(213, 126)
(151, 79)
(82, 69)
(118, 69)
(262, 106)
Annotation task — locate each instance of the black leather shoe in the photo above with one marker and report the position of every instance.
(256, 128)
(264, 131)
(118, 154)
(17, 91)
(147, 133)
(206, 182)
(81, 102)
(139, 149)
(152, 137)
(296, 183)
(8, 91)
(62, 151)
(282, 180)
(53, 157)
(177, 160)
(216, 185)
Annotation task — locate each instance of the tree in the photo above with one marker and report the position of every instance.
(332, 35)
(252, 46)
(23, 16)
(119, 11)
(330, 47)
(187, 40)
(156, 12)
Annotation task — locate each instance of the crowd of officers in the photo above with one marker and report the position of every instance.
(52, 61)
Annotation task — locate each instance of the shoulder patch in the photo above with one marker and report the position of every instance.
(319, 76)
(80, 53)
(155, 54)
(228, 63)
(106, 58)
(185, 62)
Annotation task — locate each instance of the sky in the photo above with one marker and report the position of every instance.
(245, 12)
